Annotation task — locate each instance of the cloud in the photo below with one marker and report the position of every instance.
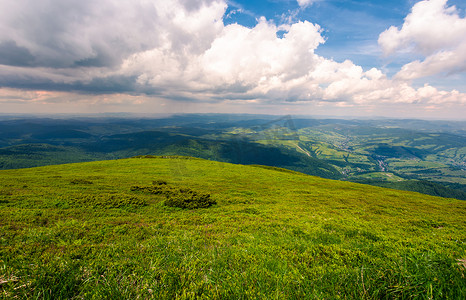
(11, 54)
(305, 3)
(433, 30)
(63, 34)
(181, 50)
(449, 62)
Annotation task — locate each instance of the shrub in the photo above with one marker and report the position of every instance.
(156, 189)
(159, 182)
(80, 181)
(182, 198)
(186, 198)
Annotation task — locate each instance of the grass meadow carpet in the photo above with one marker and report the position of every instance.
(116, 230)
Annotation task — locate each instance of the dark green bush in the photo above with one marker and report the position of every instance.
(182, 198)
(186, 198)
(159, 182)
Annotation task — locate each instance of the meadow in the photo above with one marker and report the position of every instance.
(107, 230)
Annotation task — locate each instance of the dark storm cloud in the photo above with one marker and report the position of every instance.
(12, 55)
(80, 44)
(103, 85)
(67, 34)
(99, 85)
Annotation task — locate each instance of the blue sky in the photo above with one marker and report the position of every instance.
(351, 28)
(322, 57)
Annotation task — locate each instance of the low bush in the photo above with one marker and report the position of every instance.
(80, 181)
(181, 198)
(186, 198)
(155, 189)
(159, 182)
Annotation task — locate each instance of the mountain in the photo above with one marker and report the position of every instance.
(117, 229)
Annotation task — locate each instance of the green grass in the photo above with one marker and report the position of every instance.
(384, 176)
(81, 231)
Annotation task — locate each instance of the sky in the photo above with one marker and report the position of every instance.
(401, 59)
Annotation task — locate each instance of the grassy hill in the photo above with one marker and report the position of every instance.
(106, 230)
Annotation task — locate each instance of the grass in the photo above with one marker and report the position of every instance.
(80, 231)
(384, 176)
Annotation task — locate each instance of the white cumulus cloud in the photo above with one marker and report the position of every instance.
(305, 3)
(432, 29)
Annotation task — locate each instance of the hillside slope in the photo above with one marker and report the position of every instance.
(102, 230)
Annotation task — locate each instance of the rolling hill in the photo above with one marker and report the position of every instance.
(115, 229)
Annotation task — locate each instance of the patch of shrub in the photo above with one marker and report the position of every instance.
(181, 198)
(428, 223)
(80, 181)
(187, 198)
(155, 189)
